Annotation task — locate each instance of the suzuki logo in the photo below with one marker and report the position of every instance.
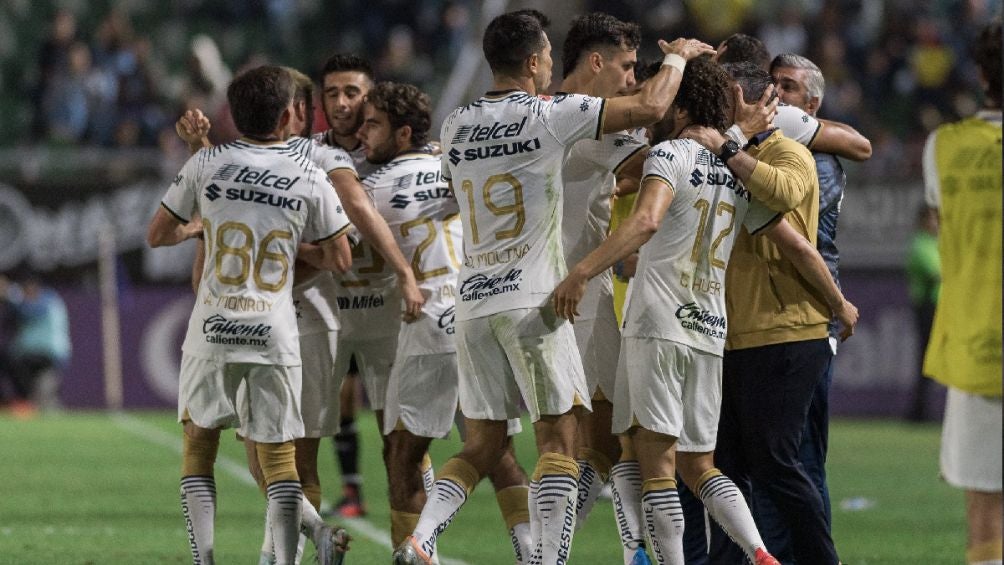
(696, 178)
(212, 192)
(400, 201)
(454, 156)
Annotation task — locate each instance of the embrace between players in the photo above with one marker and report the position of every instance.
(493, 243)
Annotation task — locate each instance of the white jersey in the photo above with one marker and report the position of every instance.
(363, 167)
(503, 155)
(257, 203)
(678, 293)
(411, 194)
(590, 180)
(314, 297)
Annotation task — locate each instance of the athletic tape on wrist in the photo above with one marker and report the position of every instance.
(675, 61)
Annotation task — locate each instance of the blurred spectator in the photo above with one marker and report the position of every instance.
(53, 61)
(40, 345)
(923, 274)
(66, 100)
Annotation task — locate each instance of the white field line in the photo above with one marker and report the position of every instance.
(238, 470)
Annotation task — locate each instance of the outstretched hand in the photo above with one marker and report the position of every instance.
(567, 296)
(686, 48)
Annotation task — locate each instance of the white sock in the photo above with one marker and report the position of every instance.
(728, 507)
(446, 499)
(535, 523)
(310, 520)
(198, 502)
(521, 542)
(664, 522)
(556, 496)
(428, 479)
(626, 479)
(589, 487)
(285, 505)
(267, 551)
(300, 544)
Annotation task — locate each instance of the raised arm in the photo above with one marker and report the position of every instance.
(361, 212)
(650, 103)
(841, 140)
(810, 265)
(653, 201)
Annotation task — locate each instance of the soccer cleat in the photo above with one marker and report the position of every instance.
(640, 557)
(764, 558)
(350, 505)
(331, 543)
(408, 553)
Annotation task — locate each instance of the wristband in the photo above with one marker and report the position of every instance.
(675, 61)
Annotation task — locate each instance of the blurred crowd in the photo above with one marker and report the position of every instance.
(118, 73)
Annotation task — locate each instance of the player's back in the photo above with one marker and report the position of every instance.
(256, 204)
(503, 155)
(679, 290)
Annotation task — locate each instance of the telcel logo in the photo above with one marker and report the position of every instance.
(498, 130)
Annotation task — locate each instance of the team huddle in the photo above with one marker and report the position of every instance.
(472, 279)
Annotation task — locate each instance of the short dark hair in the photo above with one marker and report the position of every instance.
(597, 30)
(645, 69)
(742, 48)
(258, 97)
(987, 53)
(702, 93)
(512, 37)
(347, 62)
(405, 105)
(750, 77)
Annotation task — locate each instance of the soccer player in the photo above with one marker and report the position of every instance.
(317, 326)
(410, 192)
(503, 155)
(257, 198)
(962, 179)
(777, 348)
(669, 386)
(367, 295)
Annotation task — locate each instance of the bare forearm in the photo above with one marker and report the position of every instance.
(623, 242)
(376, 231)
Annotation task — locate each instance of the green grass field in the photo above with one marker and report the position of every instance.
(95, 488)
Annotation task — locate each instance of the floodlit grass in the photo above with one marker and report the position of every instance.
(93, 488)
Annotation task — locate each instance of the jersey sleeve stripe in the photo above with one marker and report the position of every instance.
(775, 219)
(659, 178)
(342, 231)
(815, 134)
(601, 119)
(173, 213)
(641, 148)
(344, 168)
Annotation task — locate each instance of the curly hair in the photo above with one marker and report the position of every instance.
(597, 30)
(703, 91)
(742, 48)
(405, 105)
(347, 62)
(987, 53)
(512, 37)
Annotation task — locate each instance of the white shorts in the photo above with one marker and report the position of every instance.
(422, 395)
(320, 403)
(669, 388)
(599, 342)
(529, 352)
(265, 409)
(971, 441)
(374, 357)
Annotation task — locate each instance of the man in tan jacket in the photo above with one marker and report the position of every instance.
(777, 348)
